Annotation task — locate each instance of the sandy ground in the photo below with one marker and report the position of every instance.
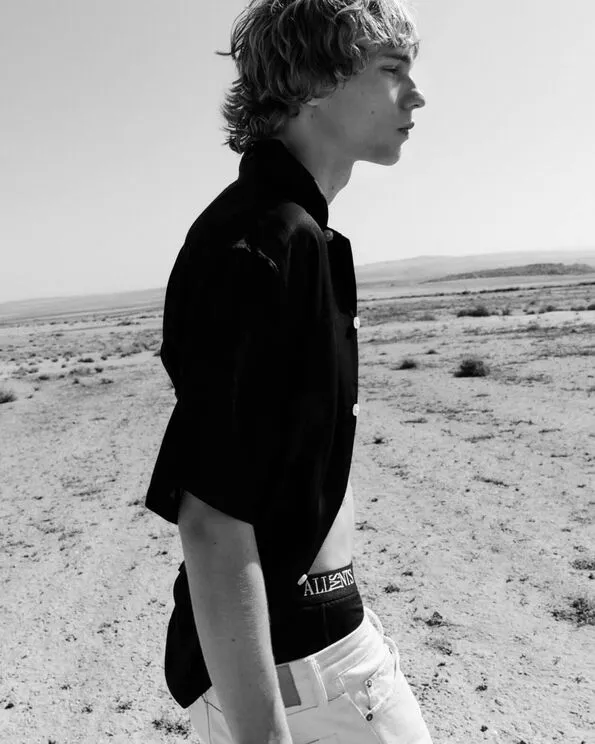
(474, 537)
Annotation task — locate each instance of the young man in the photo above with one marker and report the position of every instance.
(269, 641)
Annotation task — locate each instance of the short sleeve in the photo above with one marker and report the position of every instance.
(227, 345)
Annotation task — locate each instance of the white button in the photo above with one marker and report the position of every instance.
(356, 323)
(328, 234)
(301, 581)
(355, 409)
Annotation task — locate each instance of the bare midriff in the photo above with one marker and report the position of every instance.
(337, 549)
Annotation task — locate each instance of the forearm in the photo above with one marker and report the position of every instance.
(231, 615)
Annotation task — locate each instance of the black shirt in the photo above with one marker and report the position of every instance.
(260, 342)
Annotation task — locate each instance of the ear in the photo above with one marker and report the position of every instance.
(314, 102)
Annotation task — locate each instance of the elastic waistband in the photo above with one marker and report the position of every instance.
(317, 588)
(322, 587)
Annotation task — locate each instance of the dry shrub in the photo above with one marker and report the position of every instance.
(7, 396)
(479, 311)
(81, 371)
(471, 367)
(581, 612)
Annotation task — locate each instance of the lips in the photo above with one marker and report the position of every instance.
(407, 128)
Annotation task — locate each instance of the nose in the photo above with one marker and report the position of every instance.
(415, 99)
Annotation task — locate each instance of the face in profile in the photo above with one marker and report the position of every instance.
(366, 117)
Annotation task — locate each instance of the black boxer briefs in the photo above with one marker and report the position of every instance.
(316, 614)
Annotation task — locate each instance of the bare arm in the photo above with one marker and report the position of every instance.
(231, 614)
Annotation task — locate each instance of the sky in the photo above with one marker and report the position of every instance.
(112, 144)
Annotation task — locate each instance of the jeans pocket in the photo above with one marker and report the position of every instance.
(371, 687)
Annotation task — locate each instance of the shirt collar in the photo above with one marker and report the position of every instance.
(276, 172)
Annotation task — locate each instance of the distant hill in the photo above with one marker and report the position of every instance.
(537, 269)
(143, 300)
(411, 271)
(403, 274)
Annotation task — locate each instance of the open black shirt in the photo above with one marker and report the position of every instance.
(260, 342)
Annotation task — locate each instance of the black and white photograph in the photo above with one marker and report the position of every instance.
(297, 372)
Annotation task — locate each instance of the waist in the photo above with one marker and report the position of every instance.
(324, 609)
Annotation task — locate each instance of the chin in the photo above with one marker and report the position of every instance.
(381, 155)
(386, 156)
(396, 157)
(390, 158)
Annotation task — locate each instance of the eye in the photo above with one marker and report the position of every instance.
(394, 70)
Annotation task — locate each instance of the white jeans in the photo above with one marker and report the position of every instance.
(352, 692)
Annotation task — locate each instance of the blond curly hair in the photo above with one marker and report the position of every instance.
(289, 51)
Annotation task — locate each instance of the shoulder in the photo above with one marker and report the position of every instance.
(239, 211)
(286, 234)
(236, 229)
(286, 219)
(243, 234)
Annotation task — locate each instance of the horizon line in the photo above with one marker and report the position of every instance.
(104, 293)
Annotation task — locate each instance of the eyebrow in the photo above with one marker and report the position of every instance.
(401, 56)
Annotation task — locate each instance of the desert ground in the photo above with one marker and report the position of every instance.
(474, 494)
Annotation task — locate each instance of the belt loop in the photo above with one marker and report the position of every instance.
(322, 692)
(374, 619)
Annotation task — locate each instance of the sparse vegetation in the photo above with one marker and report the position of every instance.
(581, 612)
(473, 463)
(472, 367)
(81, 371)
(7, 396)
(479, 311)
(179, 728)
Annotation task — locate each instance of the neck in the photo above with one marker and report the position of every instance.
(330, 171)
